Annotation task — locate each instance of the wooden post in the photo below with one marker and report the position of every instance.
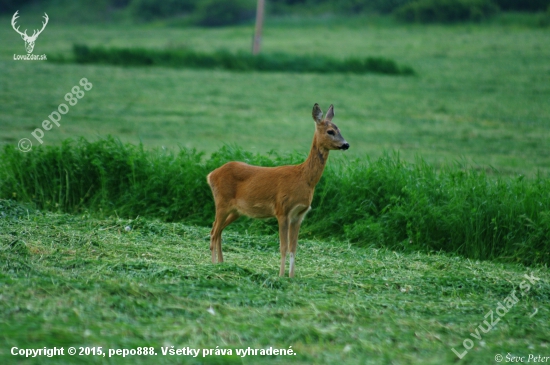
(259, 25)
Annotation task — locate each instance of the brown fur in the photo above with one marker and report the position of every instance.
(283, 192)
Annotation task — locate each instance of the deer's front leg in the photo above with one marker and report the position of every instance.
(283, 239)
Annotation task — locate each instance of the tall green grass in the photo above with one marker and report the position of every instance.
(386, 202)
(240, 61)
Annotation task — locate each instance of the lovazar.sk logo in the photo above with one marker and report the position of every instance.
(29, 40)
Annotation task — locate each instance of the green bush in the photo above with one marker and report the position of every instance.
(241, 61)
(381, 6)
(523, 5)
(544, 19)
(386, 202)
(216, 13)
(152, 9)
(385, 6)
(446, 11)
(342, 6)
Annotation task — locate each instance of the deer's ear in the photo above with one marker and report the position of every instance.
(330, 114)
(317, 114)
(23, 36)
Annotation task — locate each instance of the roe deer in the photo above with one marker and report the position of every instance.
(283, 192)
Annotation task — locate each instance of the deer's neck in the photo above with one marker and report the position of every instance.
(314, 166)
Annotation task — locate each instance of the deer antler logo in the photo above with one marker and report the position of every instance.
(29, 41)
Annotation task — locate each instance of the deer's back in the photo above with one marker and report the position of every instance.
(257, 191)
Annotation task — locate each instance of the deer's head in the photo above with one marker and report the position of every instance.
(327, 134)
(29, 40)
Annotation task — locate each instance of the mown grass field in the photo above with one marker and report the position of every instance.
(80, 281)
(480, 96)
(481, 92)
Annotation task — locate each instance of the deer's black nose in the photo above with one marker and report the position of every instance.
(345, 146)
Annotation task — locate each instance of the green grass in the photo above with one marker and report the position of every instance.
(74, 280)
(481, 92)
(480, 97)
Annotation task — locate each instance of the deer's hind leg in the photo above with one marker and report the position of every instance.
(216, 235)
(230, 219)
(223, 219)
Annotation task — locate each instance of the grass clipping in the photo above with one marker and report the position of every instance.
(240, 61)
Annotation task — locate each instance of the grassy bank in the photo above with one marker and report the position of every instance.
(384, 202)
(73, 280)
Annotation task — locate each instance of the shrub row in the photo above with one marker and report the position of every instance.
(523, 5)
(280, 7)
(446, 11)
(223, 12)
(386, 202)
(203, 12)
(388, 6)
(452, 11)
(241, 61)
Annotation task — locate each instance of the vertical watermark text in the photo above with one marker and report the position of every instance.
(501, 310)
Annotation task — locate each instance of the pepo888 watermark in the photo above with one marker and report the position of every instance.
(25, 144)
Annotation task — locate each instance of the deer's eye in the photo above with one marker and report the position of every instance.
(331, 132)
